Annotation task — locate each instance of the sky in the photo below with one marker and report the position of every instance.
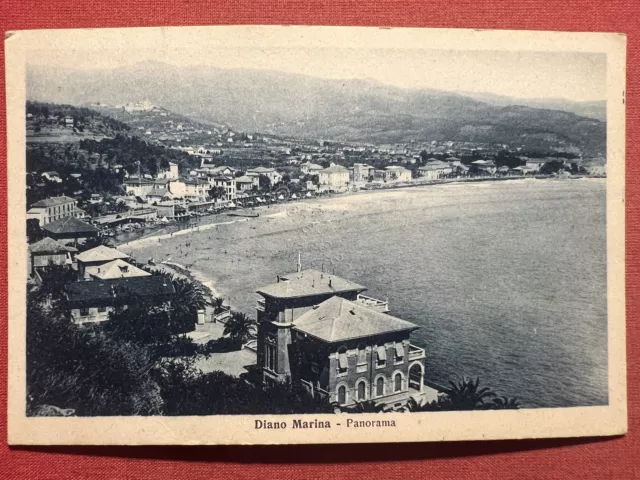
(578, 76)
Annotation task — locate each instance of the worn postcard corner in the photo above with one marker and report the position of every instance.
(266, 235)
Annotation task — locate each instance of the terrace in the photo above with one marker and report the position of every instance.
(373, 303)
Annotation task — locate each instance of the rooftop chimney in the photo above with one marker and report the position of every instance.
(299, 264)
(329, 283)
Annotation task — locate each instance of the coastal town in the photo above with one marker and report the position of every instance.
(101, 177)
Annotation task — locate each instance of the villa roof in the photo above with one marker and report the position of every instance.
(395, 167)
(263, 170)
(244, 179)
(337, 320)
(53, 201)
(435, 165)
(49, 245)
(119, 269)
(101, 253)
(91, 292)
(161, 192)
(69, 225)
(307, 283)
(334, 169)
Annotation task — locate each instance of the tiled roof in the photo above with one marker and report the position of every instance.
(49, 245)
(263, 170)
(244, 179)
(334, 169)
(105, 291)
(119, 269)
(101, 254)
(436, 165)
(309, 282)
(161, 192)
(69, 225)
(337, 320)
(53, 201)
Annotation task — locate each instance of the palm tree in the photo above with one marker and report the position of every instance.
(239, 327)
(188, 299)
(505, 403)
(366, 406)
(218, 303)
(466, 395)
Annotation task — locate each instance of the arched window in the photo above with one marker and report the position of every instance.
(397, 382)
(380, 387)
(362, 391)
(342, 395)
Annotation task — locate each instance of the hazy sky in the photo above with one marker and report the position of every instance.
(525, 74)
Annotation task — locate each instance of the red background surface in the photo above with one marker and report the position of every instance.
(577, 458)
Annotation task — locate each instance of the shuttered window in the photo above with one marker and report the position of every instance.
(342, 361)
(399, 351)
(382, 354)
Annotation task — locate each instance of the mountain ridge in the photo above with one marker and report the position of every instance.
(297, 105)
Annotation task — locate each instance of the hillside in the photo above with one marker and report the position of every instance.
(53, 123)
(308, 107)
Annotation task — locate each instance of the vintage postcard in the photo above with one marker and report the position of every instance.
(270, 234)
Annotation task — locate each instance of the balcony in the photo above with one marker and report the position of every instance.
(416, 353)
(373, 303)
(260, 305)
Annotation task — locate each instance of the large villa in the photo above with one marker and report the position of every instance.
(320, 331)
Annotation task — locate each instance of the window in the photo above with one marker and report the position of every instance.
(84, 312)
(270, 353)
(382, 355)
(102, 309)
(342, 395)
(380, 387)
(397, 382)
(362, 354)
(343, 361)
(362, 390)
(399, 352)
(270, 356)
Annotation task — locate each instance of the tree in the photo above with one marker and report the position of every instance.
(551, 166)
(239, 327)
(467, 395)
(367, 406)
(264, 182)
(217, 193)
(218, 304)
(34, 232)
(188, 299)
(93, 242)
(505, 403)
(140, 321)
(83, 369)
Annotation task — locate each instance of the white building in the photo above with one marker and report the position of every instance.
(171, 173)
(271, 173)
(397, 174)
(335, 177)
(52, 209)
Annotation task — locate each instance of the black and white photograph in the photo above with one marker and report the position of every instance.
(317, 232)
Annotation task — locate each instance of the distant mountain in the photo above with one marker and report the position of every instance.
(308, 107)
(595, 109)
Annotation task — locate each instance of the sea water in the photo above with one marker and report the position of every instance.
(506, 280)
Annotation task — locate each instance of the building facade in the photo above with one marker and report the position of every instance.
(335, 177)
(322, 332)
(52, 209)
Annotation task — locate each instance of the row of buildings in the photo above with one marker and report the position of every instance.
(105, 278)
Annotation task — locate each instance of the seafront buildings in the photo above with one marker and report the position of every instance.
(321, 331)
